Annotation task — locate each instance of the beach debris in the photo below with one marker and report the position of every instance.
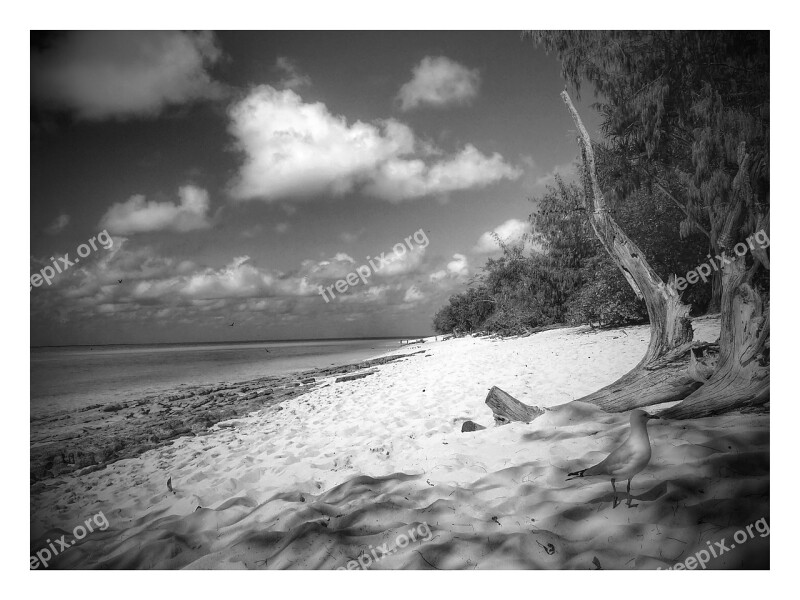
(356, 376)
(468, 426)
(549, 548)
(169, 485)
(506, 408)
(496, 520)
(596, 563)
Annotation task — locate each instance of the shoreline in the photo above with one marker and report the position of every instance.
(91, 438)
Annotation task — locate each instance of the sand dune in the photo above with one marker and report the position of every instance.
(375, 473)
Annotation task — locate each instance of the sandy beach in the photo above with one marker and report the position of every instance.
(375, 473)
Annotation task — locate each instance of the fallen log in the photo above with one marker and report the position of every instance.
(506, 408)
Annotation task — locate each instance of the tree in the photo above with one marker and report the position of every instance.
(686, 113)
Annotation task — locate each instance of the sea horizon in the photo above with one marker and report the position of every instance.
(265, 341)
(74, 377)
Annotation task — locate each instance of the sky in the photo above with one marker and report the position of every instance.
(198, 186)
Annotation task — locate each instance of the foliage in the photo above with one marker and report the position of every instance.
(678, 108)
(684, 166)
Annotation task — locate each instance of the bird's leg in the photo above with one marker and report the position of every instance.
(629, 495)
(614, 487)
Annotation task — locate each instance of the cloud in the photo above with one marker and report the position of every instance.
(297, 150)
(239, 279)
(282, 228)
(58, 225)
(399, 179)
(293, 77)
(510, 232)
(401, 263)
(124, 74)
(439, 81)
(413, 294)
(138, 215)
(458, 268)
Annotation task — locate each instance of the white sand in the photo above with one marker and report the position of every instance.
(337, 473)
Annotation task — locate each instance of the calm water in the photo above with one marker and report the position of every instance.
(76, 376)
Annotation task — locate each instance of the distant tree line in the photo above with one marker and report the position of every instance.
(684, 168)
(560, 274)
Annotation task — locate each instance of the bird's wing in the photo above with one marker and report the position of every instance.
(614, 462)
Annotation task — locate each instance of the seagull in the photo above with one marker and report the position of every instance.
(627, 460)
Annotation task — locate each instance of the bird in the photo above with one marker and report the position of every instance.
(232, 324)
(119, 280)
(627, 460)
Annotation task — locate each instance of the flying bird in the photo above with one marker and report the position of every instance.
(627, 460)
(231, 325)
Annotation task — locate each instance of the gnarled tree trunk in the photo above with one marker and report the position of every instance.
(742, 375)
(662, 373)
(670, 370)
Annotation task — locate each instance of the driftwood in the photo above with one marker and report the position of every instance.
(703, 362)
(506, 408)
(741, 378)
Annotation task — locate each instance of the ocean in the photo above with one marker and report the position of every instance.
(72, 377)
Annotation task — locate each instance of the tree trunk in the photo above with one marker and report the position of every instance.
(741, 378)
(742, 375)
(662, 374)
(715, 304)
(506, 408)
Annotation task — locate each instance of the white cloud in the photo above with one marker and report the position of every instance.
(439, 81)
(138, 215)
(239, 279)
(58, 225)
(413, 294)
(122, 74)
(459, 266)
(294, 150)
(456, 269)
(293, 77)
(401, 263)
(398, 179)
(282, 228)
(510, 232)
